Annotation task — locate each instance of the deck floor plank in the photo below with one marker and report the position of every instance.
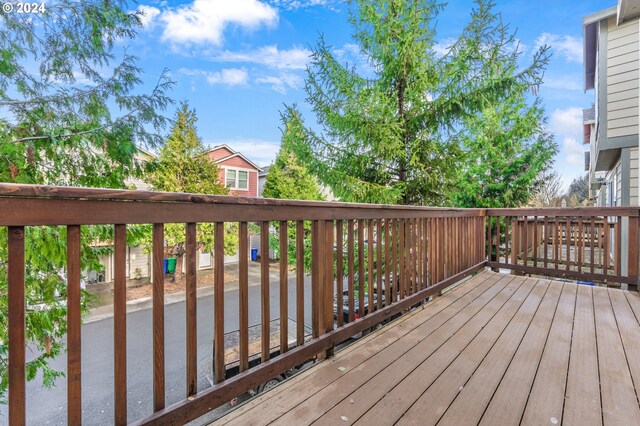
(486, 358)
(629, 332)
(619, 403)
(400, 398)
(582, 399)
(353, 392)
(546, 400)
(512, 377)
(496, 350)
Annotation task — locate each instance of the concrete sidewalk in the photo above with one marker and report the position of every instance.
(106, 311)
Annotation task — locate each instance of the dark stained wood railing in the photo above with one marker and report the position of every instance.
(590, 244)
(388, 258)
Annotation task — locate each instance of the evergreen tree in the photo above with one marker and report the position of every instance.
(61, 74)
(288, 177)
(182, 167)
(388, 138)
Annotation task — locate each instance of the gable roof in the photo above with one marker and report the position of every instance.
(234, 153)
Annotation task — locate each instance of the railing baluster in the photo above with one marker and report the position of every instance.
(387, 261)
(284, 286)
(315, 276)
(120, 324)
(535, 241)
(498, 239)
(361, 286)
(265, 312)
(379, 261)
(607, 234)
(191, 247)
(618, 247)
(218, 302)
(370, 249)
(17, 305)
(339, 273)
(328, 281)
(243, 295)
(419, 259)
(158, 316)
(568, 240)
(545, 241)
(580, 244)
(299, 282)
(318, 295)
(402, 253)
(350, 270)
(592, 253)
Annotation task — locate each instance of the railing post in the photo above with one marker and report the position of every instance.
(17, 396)
(633, 251)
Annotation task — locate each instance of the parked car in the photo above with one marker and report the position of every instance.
(232, 352)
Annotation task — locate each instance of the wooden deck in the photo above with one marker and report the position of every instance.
(496, 350)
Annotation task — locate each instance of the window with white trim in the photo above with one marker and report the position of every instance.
(237, 179)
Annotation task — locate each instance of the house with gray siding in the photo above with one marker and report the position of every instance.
(611, 48)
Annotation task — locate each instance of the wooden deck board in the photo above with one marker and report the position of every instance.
(582, 398)
(498, 349)
(511, 377)
(546, 400)
(497, 342)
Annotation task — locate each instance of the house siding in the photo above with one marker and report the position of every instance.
(219, 153)
(240, 163)
(623, 76)
(138, 260)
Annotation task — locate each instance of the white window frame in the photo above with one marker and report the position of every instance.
(235, 186)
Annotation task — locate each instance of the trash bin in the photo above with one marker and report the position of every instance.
(166, 261)
(171, 265)
(254, 254)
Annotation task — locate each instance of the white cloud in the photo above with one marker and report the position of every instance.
(227, 77)
(442, 47)
(563, 82)
(149, 13)
(282, 82)
(259, 151)
(569, 47)
(204, 21)
(566, 122)
(303, 4)
(566, 125)
(295, 58)
(573, 152)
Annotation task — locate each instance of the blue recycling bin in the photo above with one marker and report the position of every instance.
(254, 254)
(166, 265)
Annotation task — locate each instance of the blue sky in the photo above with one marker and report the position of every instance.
(238, 61)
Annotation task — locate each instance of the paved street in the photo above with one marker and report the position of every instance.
(49, 406)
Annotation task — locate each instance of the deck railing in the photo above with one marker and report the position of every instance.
(588, 244)
(386, 258)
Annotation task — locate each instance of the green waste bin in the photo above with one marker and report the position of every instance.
(171, 265)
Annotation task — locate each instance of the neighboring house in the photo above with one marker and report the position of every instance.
(611, 43)
(238, 173)
(262, 179)
(142, 156)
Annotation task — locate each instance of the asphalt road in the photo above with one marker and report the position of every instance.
(48, 406)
